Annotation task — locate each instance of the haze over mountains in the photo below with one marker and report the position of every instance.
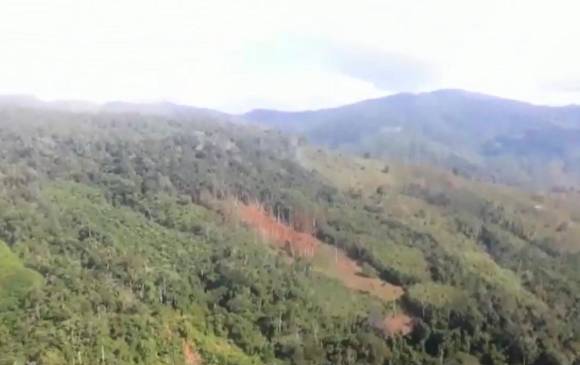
(153, 108)
(477, 135)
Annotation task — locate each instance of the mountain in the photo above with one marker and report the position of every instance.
(134, 238)
(478, 135)
(166, 109)
(29, 101)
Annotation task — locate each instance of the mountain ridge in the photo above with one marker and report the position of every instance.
(451, 128)
(478, 135)
(445, 91)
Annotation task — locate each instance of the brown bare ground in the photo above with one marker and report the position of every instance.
(399, 324)
(191, 356)
(347, 271)
(297, 243)
(329, 260)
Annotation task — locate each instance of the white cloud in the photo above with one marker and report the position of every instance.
(236, 55)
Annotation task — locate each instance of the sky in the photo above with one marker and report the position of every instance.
(301, 54)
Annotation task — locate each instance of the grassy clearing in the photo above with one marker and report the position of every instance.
(506, 280)
(434, 295)
(15, 279)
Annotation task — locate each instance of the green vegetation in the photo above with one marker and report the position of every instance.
(117, 246)
(15, 280)
(436, 296)
(475, 135)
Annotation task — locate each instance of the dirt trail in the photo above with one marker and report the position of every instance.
(327, 259)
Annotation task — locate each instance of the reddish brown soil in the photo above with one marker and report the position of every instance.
(400, 324)
(337, 264)
(348, 272)
(191, 356)
(297, 243)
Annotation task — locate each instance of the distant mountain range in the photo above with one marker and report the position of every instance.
(156, 108)
(477, 135)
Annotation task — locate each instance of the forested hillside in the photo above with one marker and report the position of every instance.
(482, 136)
(155, 238)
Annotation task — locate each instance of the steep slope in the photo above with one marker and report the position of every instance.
(128, 219)
(523, 246)
(330, 261)
(122, 215)
(479, 135)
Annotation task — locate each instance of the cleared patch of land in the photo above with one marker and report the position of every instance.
(334, 263)
(191, 356)
(326, 259)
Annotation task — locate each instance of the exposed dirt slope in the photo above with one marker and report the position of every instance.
(326, 259)
(335, 263)
(191, 356)
(296, 243)
(397, 324)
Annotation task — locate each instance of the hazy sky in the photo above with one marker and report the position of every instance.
(237, 55)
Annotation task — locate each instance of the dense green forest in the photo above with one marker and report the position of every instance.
(118, 246)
